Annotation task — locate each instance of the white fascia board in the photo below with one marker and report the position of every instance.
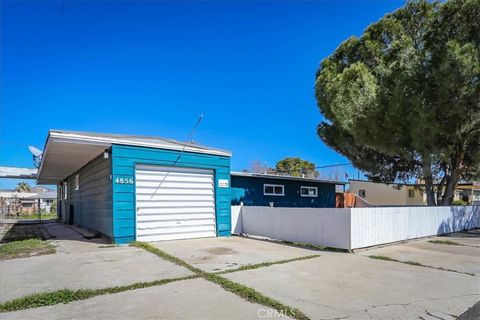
(104, 141)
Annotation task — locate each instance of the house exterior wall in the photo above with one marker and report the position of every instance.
(386, 194)
(249, 191)
(124, 160)
(92, 202)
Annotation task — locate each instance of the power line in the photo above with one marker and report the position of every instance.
(334, 165)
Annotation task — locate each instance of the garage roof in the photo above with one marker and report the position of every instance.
(67, 151)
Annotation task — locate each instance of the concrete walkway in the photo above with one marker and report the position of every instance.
(189, 299)
(464, 258)
(81, 264)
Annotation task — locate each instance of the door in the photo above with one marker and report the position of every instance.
(174, 203)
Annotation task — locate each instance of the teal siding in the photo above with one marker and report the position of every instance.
(124, 159)
(92, 203)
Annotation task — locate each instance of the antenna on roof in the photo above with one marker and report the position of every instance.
(192, 133)
(189, 138)
(37, 155)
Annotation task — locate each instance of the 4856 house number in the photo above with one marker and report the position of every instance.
(124, 180)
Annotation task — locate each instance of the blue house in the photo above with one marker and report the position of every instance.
(251, 189)
(138, 188)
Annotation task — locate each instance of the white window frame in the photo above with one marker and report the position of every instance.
(309, 188)
(77, 182)
(65, 190)
(273, 186)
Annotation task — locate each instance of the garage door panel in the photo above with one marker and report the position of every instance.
(169, 178)
(173, 191)
(149, 185)
(182, 223)
(175, 236)
(179, 229)
(173, 197)
(174, 210)
(174, 203)
(167, 217)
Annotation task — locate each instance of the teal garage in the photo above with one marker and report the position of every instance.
(138, 188)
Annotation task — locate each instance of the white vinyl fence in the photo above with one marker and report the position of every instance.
(352, 228)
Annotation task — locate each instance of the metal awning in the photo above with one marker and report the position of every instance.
(67, 151)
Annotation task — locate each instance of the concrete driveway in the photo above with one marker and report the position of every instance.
(81, 264)
(220, 254)
(334, 285)
(189, 299)
(464, 257)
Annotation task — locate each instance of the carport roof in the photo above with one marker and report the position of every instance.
(67, 151)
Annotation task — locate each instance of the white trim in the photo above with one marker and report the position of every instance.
(77, 182)
(308, 195)
(274, 194)
(77, 138)
(65, 190)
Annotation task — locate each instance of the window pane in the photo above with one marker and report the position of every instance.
(278, 190)
(268, 189)
(304, 192)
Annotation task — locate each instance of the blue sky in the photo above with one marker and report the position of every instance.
(151, 68)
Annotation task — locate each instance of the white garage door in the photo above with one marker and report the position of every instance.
(174, 203)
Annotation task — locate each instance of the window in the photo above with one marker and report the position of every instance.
(77, 182)
(308, 191)
(362, 193)
(273, 190)
(65, 190)
(411, 193)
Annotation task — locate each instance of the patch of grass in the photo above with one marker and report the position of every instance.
(164, 255)
(267, 264)
(66, 295)
(418, 264)
(25, 248)
(447, 242)
(382, 258)
(245, 292)
(254, 296)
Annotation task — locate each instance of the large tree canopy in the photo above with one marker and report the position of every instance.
(295, 166)
(403, 100)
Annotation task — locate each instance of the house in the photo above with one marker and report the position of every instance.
(138, 188)
(25, 203)
(252, 189)
(468, 192)
(398, 194)
(381, 194)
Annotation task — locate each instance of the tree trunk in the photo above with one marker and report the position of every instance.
(427, 176)
(452, 183)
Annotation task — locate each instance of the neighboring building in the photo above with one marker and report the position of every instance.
(387, 194)
(469, 192)
(251, 189)
(40, 189)
(408, 194)
(138, 188)
(25, 203)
